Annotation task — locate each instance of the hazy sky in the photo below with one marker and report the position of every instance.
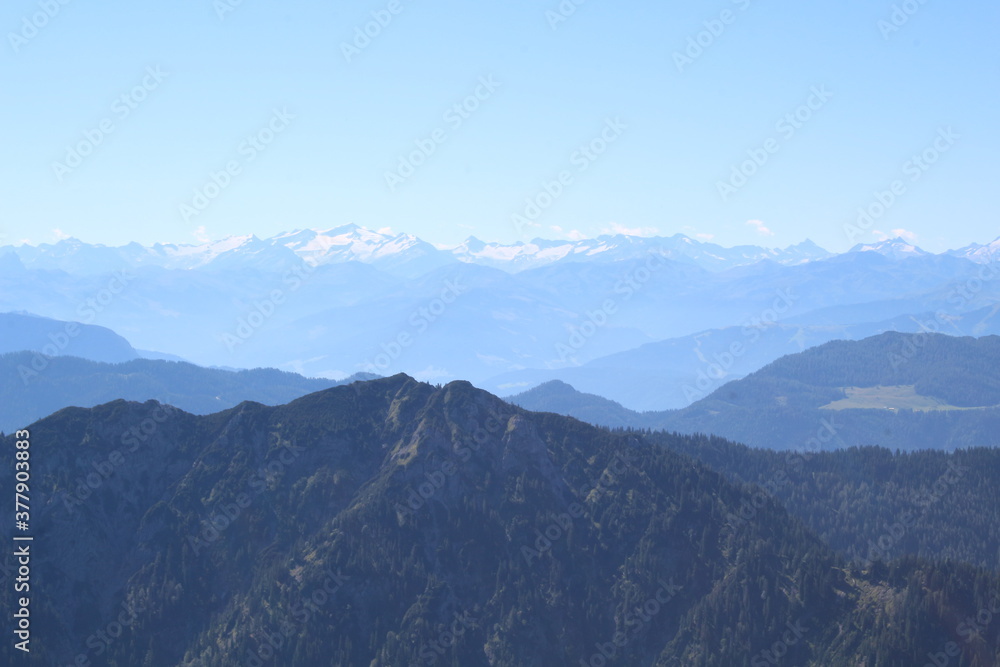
(118, 114)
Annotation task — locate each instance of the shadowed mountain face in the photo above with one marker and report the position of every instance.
(394, 523)
(33, 386)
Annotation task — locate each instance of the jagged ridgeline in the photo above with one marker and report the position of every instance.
(394, 523)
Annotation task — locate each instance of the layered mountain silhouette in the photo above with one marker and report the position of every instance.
(33, 385)
(52, 338)
(901, 391)
(635, 319)
(392, 522)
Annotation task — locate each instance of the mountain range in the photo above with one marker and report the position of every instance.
(409, 256)
(638, 320)
(676, 372)
(196, 516)
(390, 522)
(51, 338)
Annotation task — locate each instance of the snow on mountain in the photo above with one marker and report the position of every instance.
(401, 254)
(186, 256)
(896, 249)
(979, 252)
(806, 251)
(609, 248)
(254, 253)
(513, 257)
(72, 255)
(408, 256)
(340, 244)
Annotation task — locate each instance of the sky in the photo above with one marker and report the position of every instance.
(736, 121)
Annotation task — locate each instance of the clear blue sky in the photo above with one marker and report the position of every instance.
(685, 130)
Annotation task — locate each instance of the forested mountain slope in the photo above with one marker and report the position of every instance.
(391, 522)
(869, 503)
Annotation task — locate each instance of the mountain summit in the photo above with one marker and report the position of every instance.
(395, 523)
(897, 248)
(404, 254)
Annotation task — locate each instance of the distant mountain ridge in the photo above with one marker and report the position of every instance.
(25, 331)
(898, 248)
(895, 390)
(406, 254)
(349, 300)
(673, 373)
(29, 391)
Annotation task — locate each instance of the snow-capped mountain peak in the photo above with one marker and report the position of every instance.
(981, 253)
(897, 248)
(408, 256)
